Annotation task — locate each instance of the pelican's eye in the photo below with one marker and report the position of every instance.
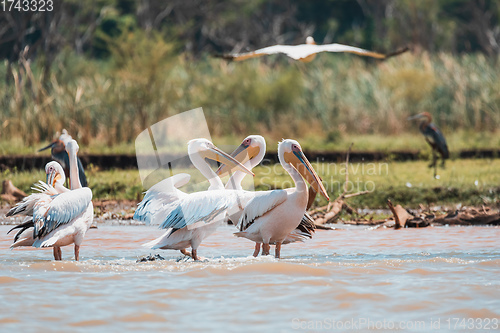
(247, 142)
(296, 148)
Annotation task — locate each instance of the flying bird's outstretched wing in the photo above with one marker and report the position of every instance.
(303, 51)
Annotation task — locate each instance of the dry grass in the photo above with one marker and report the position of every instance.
(335, 96)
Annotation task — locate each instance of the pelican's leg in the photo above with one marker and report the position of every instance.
(194, 254)
(277, 250)
(57, 252)
(257, 250)
(186, 253)
(77, 252)
(265, 249)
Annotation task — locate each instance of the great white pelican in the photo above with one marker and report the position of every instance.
(272, 215)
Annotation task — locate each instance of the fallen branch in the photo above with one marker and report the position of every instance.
(469, 216)
(331, 212)
(397, 221)
(11, 193)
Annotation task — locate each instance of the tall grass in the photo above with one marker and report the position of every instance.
(146, 80)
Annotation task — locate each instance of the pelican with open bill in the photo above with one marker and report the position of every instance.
(250, 153)
(190, 218)
(271, 216)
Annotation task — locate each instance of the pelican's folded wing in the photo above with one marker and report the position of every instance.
(27, 223)
(259, 205)
(159, 198)
(201, 208)
(54, 211)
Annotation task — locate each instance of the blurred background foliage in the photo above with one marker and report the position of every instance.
(106, 69)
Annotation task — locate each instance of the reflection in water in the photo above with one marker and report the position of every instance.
(344, 275)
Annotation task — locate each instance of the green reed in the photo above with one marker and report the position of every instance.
(335, 96)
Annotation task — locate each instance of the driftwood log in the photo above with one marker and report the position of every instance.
(403, 219)
(331, 212)
(11, 193)
(469, 216)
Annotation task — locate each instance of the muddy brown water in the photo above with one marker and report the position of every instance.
(353, 278)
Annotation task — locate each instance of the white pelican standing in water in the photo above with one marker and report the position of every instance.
(271, 217)
(251, 153)
(167, 200)
(64, 218)
(307, 52)
(54, 185)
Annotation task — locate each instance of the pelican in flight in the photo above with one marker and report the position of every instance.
(271, 216)
(167, 201)
(251, 153)
(59, 154)
(58, 218)
(307, 52)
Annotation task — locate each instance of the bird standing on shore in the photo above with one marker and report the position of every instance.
(59, 154)
(434, 138)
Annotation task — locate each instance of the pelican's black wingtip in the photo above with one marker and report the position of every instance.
(397, 52)
(223, 56)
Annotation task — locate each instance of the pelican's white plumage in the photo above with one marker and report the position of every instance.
(205, 209)
(250, 153)
(160, 198)
(55, 176)
(54, 185)
(59, 219)
(306, 52)
(62, 219)
(272, 215)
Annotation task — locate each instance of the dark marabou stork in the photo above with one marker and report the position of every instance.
(434, 138)
(59, 154)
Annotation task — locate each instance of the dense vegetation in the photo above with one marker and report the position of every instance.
(107, 69)
(326, 100)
